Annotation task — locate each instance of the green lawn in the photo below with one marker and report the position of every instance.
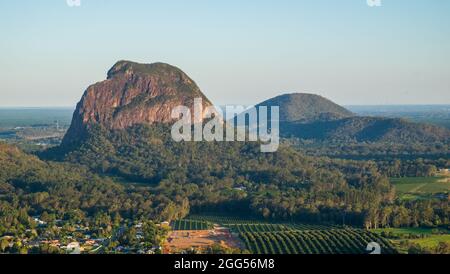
(410, 188)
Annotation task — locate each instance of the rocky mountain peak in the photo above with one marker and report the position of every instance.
(132, 94)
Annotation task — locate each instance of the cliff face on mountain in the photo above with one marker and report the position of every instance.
(133, 94)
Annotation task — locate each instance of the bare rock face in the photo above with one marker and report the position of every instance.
(134, 94)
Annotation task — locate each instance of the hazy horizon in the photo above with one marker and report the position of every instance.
(344, 105)
(237, 51)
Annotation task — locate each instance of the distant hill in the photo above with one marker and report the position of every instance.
(367, 129)
(432, 114)
(309, 116)
(303, 107)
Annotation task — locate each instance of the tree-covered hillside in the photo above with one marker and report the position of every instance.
(237, 177)
(303, 107)
(367, 129)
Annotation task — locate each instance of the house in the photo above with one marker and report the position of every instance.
(39, 221)
(90, 242)
(120, 248)
(34, 243)
(165, 224)
(73, 248)
(241, 188)
(54, 243)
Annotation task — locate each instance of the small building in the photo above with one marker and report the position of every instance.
(241, 188)
(73, 248)
(90, 242)
(39, 221)
(165, 224)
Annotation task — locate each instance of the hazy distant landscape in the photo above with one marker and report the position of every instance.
(34, 128)
(28, 117)
(46, 126)
(433, 114)
(11, 118)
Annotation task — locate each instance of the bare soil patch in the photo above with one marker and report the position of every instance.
(181, 240)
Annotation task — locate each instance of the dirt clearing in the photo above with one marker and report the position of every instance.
(182, 240)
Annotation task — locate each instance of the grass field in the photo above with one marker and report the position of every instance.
(404, 231)
(410, 188)
(425, 237)
(432, 241)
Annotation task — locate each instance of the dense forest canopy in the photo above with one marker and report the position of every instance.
(140, 173)
(234, 175)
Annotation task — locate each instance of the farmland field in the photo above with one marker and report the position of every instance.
(316, 241)
(409, 188)
(424, 237)
(262, 237)
(432, 241)
(187, 224)
(404, 231)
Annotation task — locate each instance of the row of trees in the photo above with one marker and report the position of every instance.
(427, 213)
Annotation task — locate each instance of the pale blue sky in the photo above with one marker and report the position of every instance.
(238, 51)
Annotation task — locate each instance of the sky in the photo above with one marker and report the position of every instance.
(237, 51)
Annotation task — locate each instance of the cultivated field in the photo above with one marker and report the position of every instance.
(409, 188)
(187, 224)
(424, 237)
(261, 237)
